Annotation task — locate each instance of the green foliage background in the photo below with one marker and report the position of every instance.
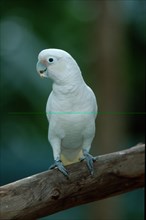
(27, 27)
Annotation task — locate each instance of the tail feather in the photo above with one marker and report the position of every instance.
(69, 160)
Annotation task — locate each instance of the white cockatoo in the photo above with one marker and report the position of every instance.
(71, 109)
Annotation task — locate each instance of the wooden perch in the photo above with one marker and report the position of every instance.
(49, 192)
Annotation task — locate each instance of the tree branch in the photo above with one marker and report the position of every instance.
(49, 192)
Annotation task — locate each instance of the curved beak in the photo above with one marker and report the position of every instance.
(41, 69)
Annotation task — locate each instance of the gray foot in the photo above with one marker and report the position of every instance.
(89, 160)
(59, 165)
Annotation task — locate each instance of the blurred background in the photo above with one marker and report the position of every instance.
(107, 39)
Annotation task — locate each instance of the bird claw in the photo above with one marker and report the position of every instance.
(59, 165)
(89, 160)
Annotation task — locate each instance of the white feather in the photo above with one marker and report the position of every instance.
(71, 107)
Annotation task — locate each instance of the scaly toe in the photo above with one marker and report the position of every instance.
(58, 164)
(90, 160)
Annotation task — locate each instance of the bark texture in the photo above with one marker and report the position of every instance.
(49, 192)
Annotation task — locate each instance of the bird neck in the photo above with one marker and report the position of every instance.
(69, 81)
(68, 87)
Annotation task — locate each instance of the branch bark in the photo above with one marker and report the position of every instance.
(49, 192)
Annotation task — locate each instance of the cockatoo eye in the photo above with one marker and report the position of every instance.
(51, 59)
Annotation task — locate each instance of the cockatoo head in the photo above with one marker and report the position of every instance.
(58, 65)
